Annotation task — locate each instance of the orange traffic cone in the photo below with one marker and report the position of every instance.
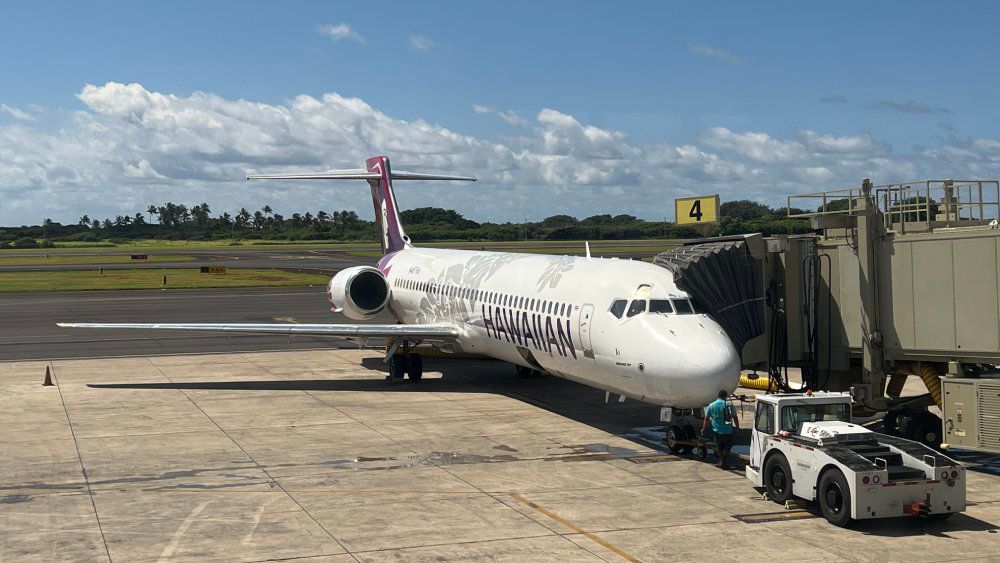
(48, 377)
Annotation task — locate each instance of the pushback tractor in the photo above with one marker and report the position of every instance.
(806, 446)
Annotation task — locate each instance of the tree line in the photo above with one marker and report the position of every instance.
(173, 221)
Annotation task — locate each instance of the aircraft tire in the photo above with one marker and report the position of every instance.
(416, 367)
(397, 367)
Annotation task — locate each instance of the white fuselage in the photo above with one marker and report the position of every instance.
(555, 313)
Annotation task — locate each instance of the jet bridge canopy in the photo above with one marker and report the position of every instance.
(725, 277)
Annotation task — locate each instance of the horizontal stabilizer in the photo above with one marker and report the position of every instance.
(357, 175)
(426, 332)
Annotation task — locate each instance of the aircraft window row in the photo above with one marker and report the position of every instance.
(493, 297)
(621, 307)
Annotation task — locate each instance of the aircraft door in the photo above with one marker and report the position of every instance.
(586, 326)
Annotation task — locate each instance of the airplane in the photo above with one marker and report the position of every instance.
(621, 326)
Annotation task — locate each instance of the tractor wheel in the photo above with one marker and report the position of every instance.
(835, 498)
(778, 478)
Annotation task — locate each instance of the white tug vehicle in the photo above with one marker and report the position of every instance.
(804, 445)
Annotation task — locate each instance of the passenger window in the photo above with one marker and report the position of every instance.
(765, 418)
(660, 306)
(637, 306)
(683, 307)
(618, 308)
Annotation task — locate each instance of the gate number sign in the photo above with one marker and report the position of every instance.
(699, 210)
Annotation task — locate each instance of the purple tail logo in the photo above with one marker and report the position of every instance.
(386, 211)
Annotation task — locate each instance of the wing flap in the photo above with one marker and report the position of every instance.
(427, 332)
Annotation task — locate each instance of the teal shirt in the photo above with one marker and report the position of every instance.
(716, 413)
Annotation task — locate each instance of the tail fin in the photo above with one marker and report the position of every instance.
(386, 210)
(379, 176)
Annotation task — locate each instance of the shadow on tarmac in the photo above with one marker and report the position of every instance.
(566, 398)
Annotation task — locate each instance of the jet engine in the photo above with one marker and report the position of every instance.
(359, 292)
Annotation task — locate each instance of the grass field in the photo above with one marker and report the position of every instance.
(151, 279)
(56, 258)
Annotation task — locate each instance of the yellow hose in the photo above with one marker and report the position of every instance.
(895, 387)
(929, 373)
(760, 384)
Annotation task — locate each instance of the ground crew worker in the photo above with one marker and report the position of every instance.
(724, 426)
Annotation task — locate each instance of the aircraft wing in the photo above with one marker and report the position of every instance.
(423, 332)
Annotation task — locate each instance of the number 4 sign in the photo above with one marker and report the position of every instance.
(699, 210)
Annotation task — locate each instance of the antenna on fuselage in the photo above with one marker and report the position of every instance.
(587, 245)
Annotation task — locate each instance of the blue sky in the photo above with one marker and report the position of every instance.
(578, 107)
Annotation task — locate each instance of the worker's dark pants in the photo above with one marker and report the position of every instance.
(724, 442)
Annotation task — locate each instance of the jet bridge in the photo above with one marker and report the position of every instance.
(896, 280)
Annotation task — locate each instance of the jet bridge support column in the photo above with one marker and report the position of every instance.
(870, 233)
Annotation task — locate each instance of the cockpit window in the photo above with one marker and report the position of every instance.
(637, 306)
(618, 308)
(683, 307)
(660, 306)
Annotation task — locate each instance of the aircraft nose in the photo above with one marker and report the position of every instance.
(709, 365)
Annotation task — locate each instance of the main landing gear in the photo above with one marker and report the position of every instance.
(522, 371)
(403, 363)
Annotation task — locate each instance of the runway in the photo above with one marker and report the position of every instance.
(322, 261)
(29, 330)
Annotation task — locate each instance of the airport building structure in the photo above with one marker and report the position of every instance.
(897, 280)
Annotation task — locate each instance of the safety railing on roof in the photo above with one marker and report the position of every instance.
(910, 206)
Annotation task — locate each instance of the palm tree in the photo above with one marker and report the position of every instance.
(85, 221)
(242, 218)
(152, 210)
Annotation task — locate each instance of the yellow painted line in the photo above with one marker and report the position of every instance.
(575, 528)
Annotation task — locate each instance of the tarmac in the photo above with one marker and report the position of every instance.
(310, 454)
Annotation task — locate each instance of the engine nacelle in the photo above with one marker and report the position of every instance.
(359, 292)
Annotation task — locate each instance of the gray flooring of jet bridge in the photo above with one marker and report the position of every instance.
(249, 457)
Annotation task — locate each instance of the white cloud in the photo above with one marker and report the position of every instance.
(339, 31)
(755, 145)
(714, 53)
(142, 170)
(130, 147)
(850, 144)
(17, 114)
(510, 116)
(423, 44)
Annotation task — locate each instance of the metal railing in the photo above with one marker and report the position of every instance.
(922, 205)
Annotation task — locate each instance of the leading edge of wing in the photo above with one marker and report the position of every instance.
(444, 332)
